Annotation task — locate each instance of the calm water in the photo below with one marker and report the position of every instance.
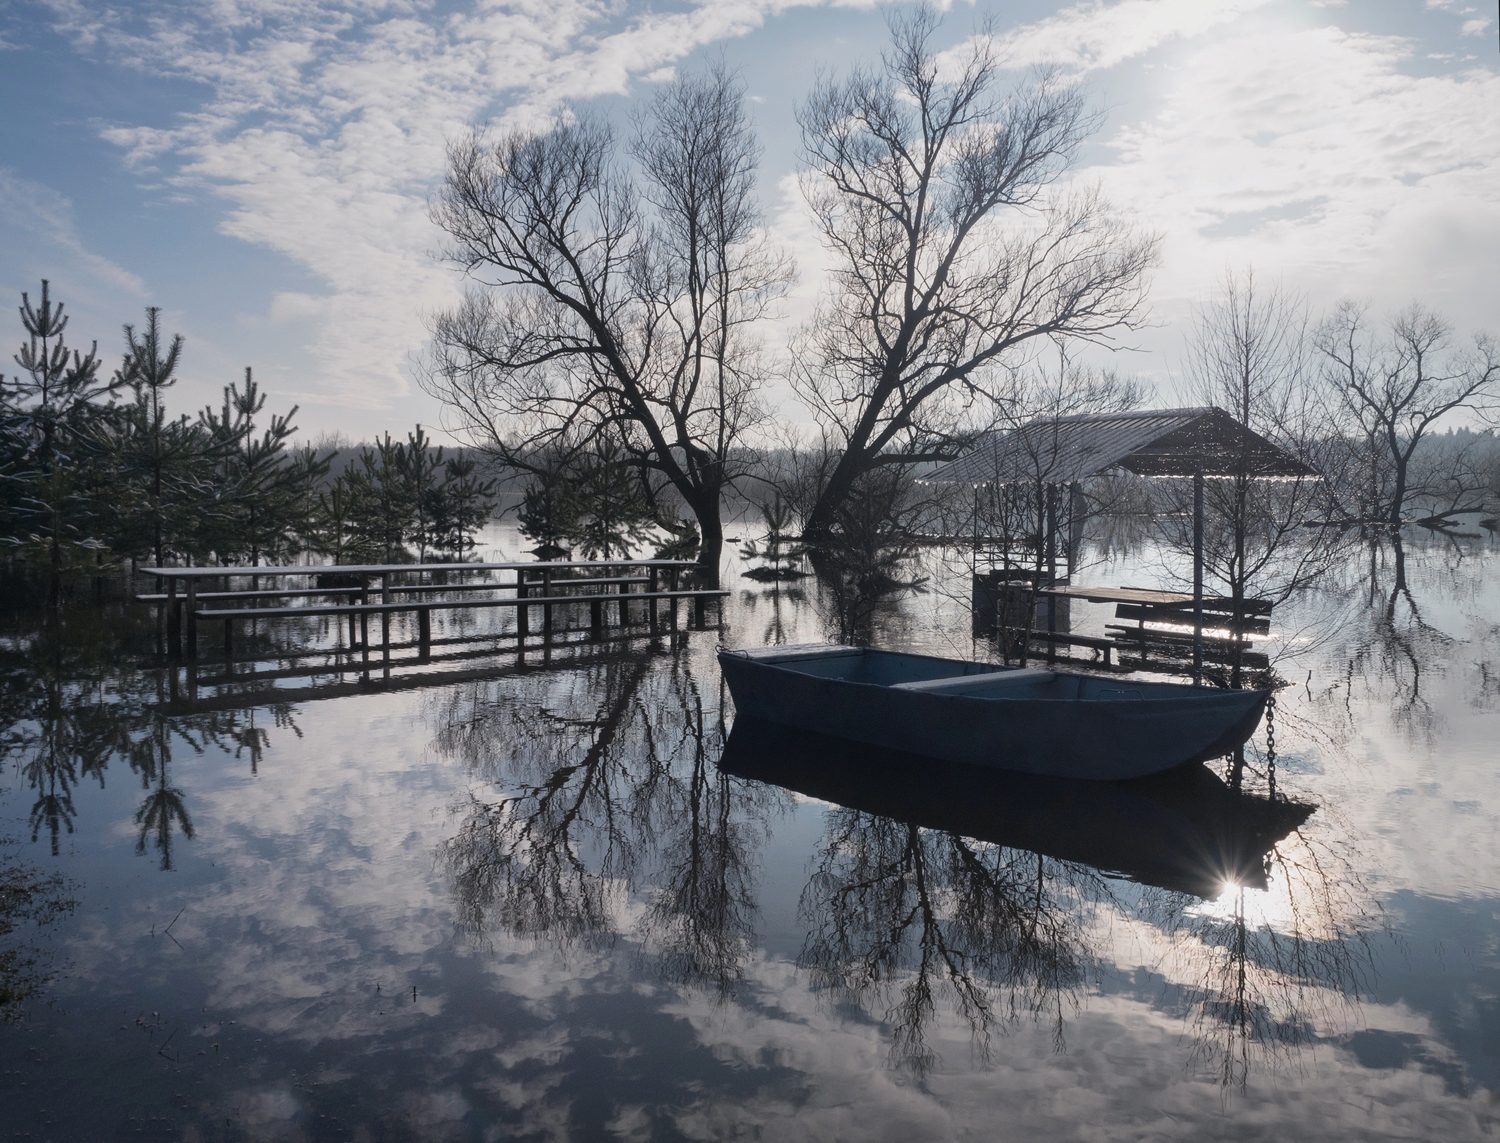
(530, 903)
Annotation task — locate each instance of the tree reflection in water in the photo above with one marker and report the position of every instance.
(897, 914)
(990, 888)
(71, 711)
(1272, 967)
(611, 789)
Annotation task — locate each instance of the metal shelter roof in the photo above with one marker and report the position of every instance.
(1148, 442)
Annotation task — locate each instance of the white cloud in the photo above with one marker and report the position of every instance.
(1097, 35)
(1311, 153)
(37, 209)
(1476, 27)
(326, 125)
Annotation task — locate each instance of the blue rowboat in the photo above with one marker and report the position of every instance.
(1013, 718)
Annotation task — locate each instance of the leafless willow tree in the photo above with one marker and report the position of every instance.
(610, 305)
(1029, 497)
(1250, 355)
(1394, 385)
(953, 248)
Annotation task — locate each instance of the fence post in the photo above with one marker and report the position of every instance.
(522, 622)
(546, 607)
(364, 625)
(424, 633)
(651, 581)
(174, 620)
(673, 576)
(385, 618)
(192, 617)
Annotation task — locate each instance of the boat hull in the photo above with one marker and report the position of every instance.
(1183, 830)
(1160, 728)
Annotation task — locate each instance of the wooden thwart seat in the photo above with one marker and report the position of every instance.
(961, 684)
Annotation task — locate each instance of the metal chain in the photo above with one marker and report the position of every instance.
(1271, 742)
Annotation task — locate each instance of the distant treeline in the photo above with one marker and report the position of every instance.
(96, 472)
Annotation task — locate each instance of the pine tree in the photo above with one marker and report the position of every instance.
(615, 513)
(263, 487)
(49, 411)
(462, 505)
(165, 465)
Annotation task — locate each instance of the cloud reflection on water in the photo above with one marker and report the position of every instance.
(612, 886)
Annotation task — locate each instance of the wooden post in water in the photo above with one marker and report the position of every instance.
(651, 581)
(424, 633)
(522, 620)
(672, 580)
(192, 618)
(546, 607)
(385, 619)
(174, 620)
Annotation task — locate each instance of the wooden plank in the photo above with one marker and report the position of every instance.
(1212, 620)
(443, 604)
(1154, 636)
(1152, 597)
(283, 571)
(398, 589)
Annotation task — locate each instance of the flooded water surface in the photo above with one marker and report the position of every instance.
(573, 898)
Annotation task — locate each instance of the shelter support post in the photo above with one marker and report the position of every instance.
(1198, 577)
(1077, 510)
(1051, 569)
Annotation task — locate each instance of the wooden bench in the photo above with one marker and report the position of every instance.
(1216, 617)
(1094, 643)
(1179, 645)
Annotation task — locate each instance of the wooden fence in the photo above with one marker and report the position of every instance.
(357, 593)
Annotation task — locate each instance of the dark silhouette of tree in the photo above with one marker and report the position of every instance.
(262, 491)
(611, 789)
(952, 250)
(47, 413)
(1395, 386)
(611, 307)
(164, 465)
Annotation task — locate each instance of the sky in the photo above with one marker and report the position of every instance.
(261, 169)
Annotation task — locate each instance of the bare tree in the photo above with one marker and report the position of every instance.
(1023, 502)
(952, 248)
(1250, 355)
(1397, 385)
(603, 306)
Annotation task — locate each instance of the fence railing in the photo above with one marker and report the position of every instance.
(359, 592)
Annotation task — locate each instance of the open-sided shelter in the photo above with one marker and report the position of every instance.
(1199, 443)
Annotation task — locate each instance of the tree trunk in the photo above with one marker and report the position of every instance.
(705, 506)
(820, 520)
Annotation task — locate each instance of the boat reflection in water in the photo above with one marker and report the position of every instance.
(1183, 830)
(997, 892)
